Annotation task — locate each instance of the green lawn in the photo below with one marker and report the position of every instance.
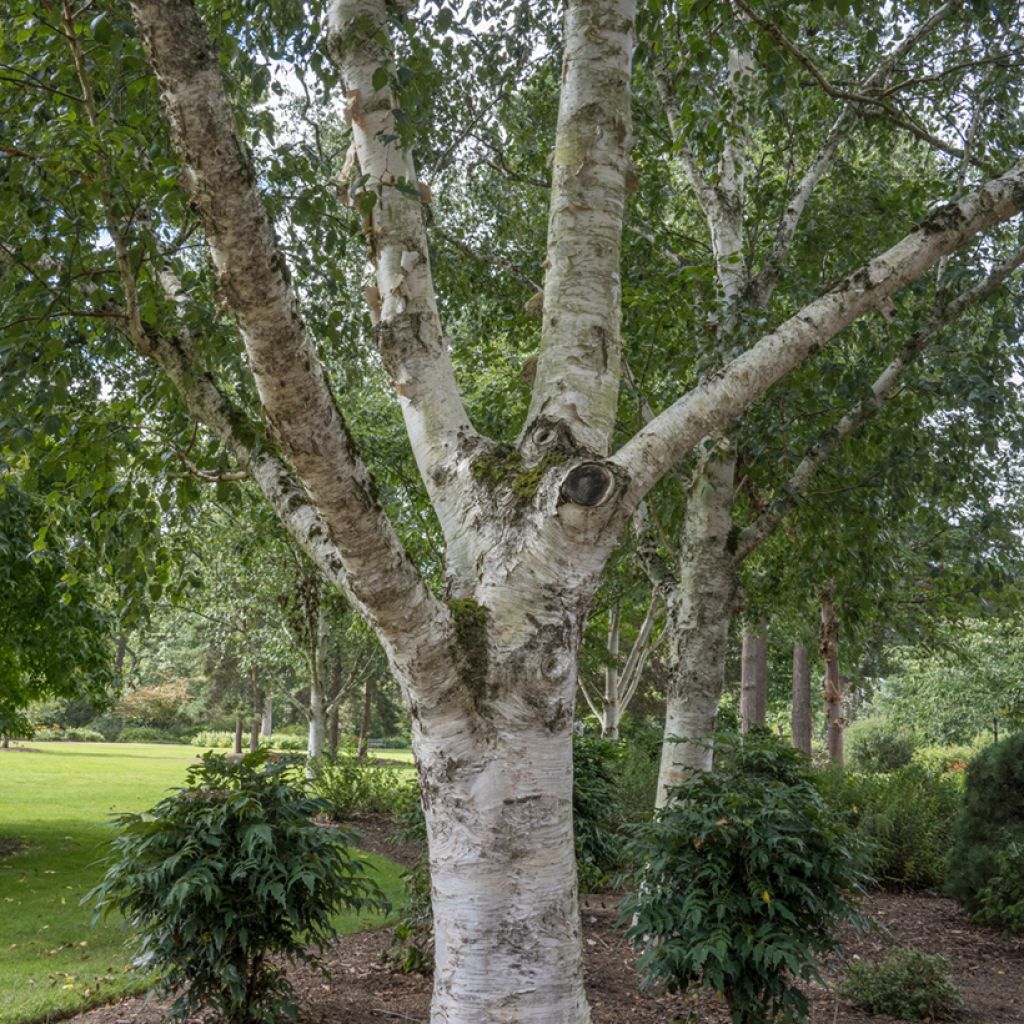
(52, 960)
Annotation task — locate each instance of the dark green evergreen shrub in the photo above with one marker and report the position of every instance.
(348, 785)
(109, 725)
(226, 874)
(877, 745)
(991, 820)
(596, 764)
(906, 817)
(1001, 898)
(905, 984)
(745, 881)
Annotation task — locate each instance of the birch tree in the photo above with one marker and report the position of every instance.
(488, 662)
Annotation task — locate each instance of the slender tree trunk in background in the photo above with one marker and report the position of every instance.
(239, 729)
(254, 734)
(318, 669)
(5, 742)
(333, 727)
(753, 678)
(267, 723)
(800, 714)
(364, 721)
(699, 609)
(610, 716)
(828, 646)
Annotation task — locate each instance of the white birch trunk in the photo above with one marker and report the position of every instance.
(800, 719)
(697, 627)
(267, 721)
(753, 678)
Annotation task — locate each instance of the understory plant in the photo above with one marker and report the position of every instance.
(989, 828)
(348, 785)
(226, 877)
(746, 877)
(596, 764)
(905, 817)
(906, 984)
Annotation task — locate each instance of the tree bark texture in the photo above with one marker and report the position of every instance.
(267, 721)
(364, 719)
(800, 714)
(254, 734)
(699, 608)
(828, 647)
(239, 731)
(333, 731)
(753, 678)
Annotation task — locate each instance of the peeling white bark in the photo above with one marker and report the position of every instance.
(699, 612)
(578, 366)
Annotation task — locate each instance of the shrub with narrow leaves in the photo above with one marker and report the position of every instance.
(347, 785)
(747, 877)
(227, 876)
(906, 984)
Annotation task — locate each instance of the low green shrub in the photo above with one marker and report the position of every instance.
(347, 785)
(991, 821)
(214, 740)
(226, 876)
(294, 744)
(46, 733)
(877, 745)
(948, 760)
(905, 984)
(145, 734)
(109, 725)
(906, 818)
(744, 881)
(83, 735)
(412, 940)
(596, 766)
(1001, 898)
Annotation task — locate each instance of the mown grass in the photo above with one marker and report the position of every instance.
(53, 961)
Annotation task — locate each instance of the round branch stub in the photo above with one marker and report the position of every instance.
(589, 484)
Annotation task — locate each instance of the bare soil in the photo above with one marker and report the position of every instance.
(988, 968)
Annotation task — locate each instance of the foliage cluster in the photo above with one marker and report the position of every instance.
(224, 877)
(878, 745)
(989, 833)
(595, 804)
(744, 882)
(906, 818)
(906, 983)
(226, 741)
(346, 785)
(145, 734)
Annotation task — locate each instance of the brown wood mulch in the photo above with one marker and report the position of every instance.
(988, 968)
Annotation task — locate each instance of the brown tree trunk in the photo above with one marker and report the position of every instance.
(800, 716)
(332, 731)
(753, 678)
(828, 646)
(254, 734)
(364, 724)
(5, 743)
(239, 726)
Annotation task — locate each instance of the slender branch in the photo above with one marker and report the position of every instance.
(207, 476)
(710, 406)
(883, 389)
(863, 98)
(411, 341)
(493, 259)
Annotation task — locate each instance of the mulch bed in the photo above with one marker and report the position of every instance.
(361, 990)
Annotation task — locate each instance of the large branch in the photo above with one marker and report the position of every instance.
(293, 389)
(884, 388)
(714, 403)
(578, 366)
(412, 344)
